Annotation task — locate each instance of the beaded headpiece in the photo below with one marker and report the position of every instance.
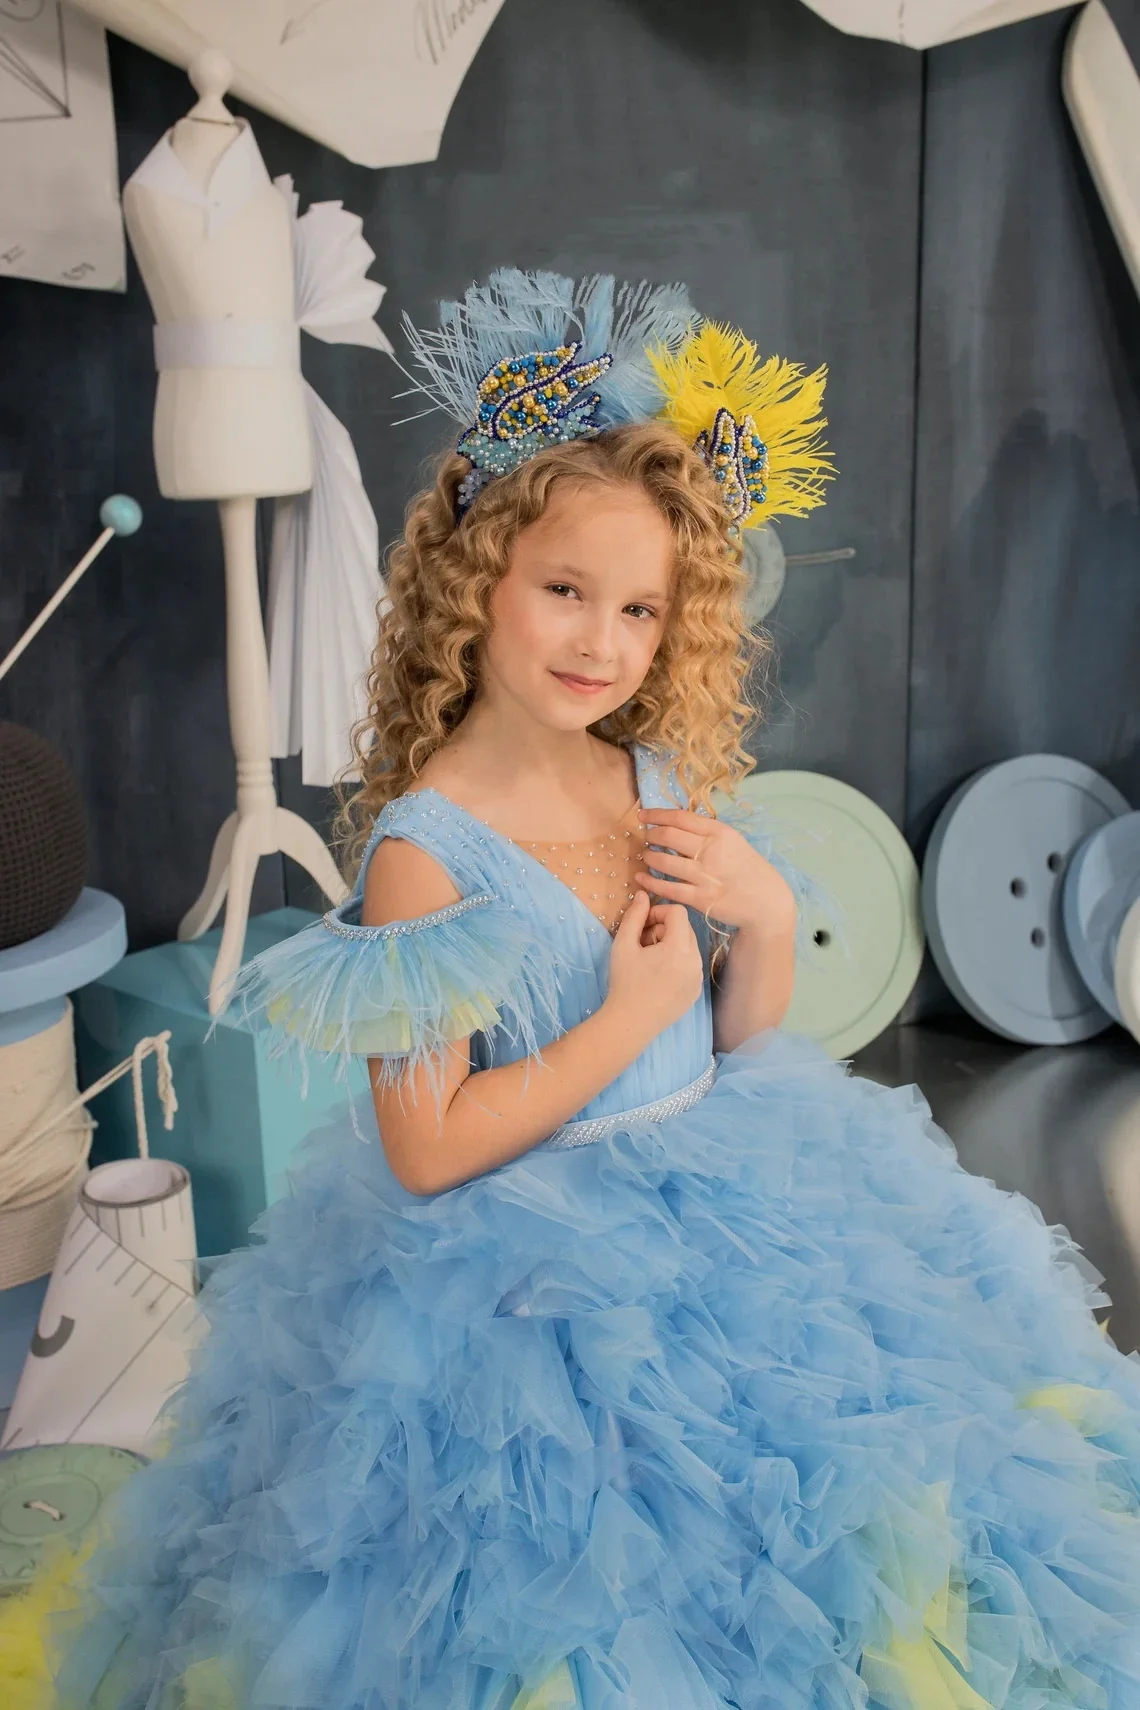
(756, 423)
(529, 360)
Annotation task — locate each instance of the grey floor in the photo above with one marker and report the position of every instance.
(1058, 1124)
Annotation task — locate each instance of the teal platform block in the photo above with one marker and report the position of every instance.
(240, 1115)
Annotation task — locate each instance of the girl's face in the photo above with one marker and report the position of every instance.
(581, 610)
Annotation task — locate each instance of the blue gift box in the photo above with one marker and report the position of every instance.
(240, 1114)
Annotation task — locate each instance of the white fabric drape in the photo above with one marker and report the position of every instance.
(324, 573)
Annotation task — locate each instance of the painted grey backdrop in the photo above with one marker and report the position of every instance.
(923, 224)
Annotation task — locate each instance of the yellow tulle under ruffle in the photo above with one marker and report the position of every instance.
(555, 1692)
(923, 1669)
(926, 1673)
(394, 1034)
(1090, 1411)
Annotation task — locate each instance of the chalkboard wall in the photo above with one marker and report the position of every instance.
(924, 224)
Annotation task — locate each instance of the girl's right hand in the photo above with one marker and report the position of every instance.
(656, 971)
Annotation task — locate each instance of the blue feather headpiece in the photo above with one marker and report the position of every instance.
(529, 360)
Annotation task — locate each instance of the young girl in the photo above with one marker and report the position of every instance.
(640, 1356)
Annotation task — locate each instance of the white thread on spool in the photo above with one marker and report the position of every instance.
(45, 1139)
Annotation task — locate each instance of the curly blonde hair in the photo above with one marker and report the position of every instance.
(694, 701)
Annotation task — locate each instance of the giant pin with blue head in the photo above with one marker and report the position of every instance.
(120, 516)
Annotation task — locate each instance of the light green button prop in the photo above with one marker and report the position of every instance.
(53, 1491)
(861, 968)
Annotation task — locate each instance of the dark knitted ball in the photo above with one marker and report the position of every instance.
(43, 836)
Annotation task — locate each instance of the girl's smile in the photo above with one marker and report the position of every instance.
(583, 685)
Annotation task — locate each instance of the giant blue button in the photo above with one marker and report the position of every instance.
(1127, 981)
(1100, 887)
(991, 895)
(35, 977)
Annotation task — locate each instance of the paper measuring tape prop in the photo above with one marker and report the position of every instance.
(991, 895)
(50, 1495)
(851, 986)
(1102, 883)
(119, 1317)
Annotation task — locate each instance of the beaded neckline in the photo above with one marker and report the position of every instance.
(523, 850)
(605, 845)
(598, 837)
(633, 748)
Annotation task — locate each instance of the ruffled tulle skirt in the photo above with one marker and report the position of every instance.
(766, 1405)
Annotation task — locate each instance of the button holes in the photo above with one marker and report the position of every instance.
(1018, 887)
(1055, 862)
(822, 937)
(1037, 937)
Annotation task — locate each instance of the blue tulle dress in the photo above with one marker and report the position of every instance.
(738, 1394)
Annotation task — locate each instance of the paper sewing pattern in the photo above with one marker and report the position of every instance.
(33, 61)
(925, 23)
(373, 79)
(1102, 91)
(59, 184)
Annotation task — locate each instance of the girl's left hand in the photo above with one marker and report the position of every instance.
(715, 870)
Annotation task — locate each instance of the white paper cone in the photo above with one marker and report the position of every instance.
(119, 1317)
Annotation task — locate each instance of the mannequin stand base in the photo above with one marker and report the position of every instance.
(243, 839)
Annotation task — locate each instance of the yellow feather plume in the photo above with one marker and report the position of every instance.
(719, 369)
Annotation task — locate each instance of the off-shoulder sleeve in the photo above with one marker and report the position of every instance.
(403, 992)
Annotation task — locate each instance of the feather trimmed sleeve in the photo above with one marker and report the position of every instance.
(401, 993)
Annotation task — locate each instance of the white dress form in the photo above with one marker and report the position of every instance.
(233, 432)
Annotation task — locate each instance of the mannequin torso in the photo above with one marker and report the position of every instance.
(213, 240)
(214, 243)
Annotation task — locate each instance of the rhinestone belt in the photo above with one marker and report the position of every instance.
(598, 1127)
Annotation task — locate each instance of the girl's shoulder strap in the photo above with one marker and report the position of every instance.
(661, 786)
(438, 827)
(659, 783)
